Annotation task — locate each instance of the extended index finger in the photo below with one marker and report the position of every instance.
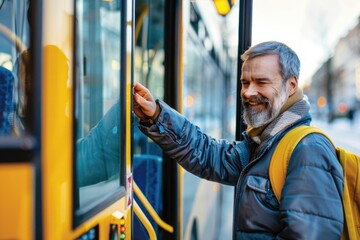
(139, 87)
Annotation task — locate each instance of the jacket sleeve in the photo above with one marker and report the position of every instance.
(311, 202)
(198, 153)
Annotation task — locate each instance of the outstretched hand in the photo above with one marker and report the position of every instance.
(144, 103)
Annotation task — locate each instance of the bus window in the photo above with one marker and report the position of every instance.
(149, 57)
(99, 160)
(205, 87)
(149, 60)
(15, 81)
(149, 45)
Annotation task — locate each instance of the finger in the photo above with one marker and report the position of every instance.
(138, 98)
(142, 102)
(148, 107)
(138, 87)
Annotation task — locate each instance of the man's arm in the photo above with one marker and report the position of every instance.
(200, 154)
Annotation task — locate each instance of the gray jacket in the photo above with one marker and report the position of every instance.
(310, 206)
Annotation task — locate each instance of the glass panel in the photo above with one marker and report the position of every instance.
(149, 60)
(149, 45)
(205, 86)
(15, 82)
(97, 107)
(149, 71)
(204, 81)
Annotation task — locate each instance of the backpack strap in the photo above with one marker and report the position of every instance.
(280, 159)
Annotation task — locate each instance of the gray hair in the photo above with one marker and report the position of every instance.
(288, 59)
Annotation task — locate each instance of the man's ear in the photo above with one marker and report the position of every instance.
(292, 85)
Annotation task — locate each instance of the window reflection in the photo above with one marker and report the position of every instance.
(98, 159)
(97, 107)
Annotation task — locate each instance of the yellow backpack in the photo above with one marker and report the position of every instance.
(351, 167)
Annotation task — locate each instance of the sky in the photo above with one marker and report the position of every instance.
(310, 27)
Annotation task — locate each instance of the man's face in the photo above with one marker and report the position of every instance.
(263, 92)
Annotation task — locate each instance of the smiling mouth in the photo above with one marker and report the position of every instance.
(257, 106)
(254, 104)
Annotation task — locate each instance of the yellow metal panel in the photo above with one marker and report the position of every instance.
(129, 46)
(180, 97)
(57, 143)
(57, 136)
(129, 70)
(16, 201)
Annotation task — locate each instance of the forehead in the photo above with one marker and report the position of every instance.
(261, 66)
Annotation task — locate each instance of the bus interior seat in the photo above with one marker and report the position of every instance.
(147, 171)
(6, 101)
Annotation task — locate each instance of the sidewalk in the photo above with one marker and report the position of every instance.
(341, 124)
(343, 133)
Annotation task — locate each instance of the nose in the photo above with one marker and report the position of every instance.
(249, 91)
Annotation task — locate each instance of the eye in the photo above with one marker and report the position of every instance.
(244, 83)
(263, 82)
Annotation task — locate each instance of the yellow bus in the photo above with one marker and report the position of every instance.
(73, 164)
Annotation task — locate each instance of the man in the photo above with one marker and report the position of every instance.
(310, 206)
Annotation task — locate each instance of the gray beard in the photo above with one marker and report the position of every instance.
(255, 118)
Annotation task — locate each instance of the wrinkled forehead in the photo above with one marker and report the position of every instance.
(262, 65)
(273, 58)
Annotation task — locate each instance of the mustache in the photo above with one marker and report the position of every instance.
(256, 99)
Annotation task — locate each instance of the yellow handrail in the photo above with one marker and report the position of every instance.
(143, 219)
(139, 22)
(151, 210)
(12, 37)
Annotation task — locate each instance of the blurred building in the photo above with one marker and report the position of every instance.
(335, 86)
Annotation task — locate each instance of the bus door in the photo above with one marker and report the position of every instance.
(155, 177)
(103, 172)
(148, 70)
(158, 65)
